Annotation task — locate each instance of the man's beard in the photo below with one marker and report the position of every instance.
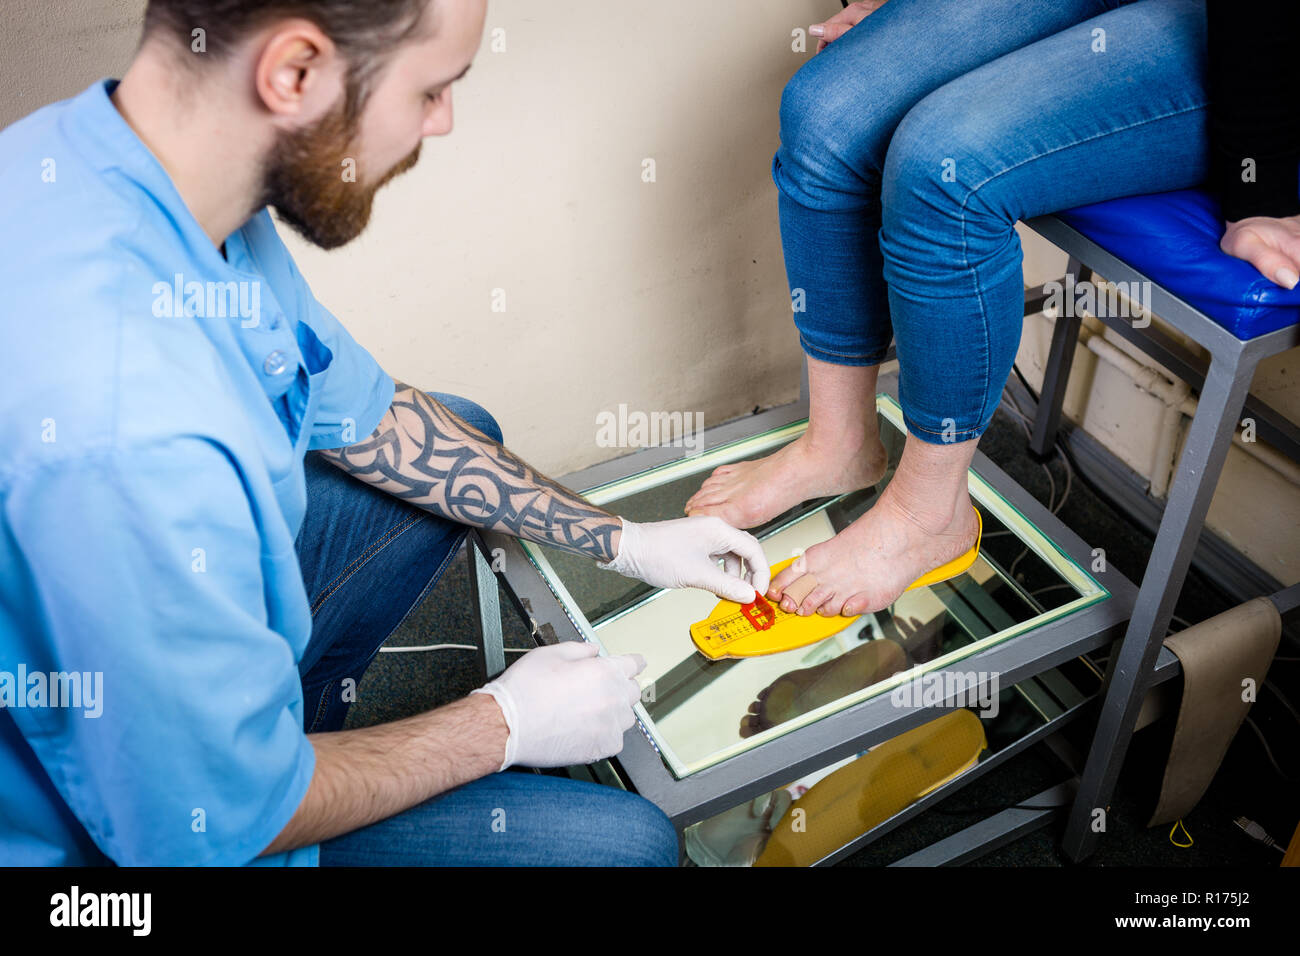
(305, 180)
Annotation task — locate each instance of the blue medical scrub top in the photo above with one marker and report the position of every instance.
(156, 402)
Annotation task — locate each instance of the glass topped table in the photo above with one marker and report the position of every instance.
(713, 733)
(697, 712)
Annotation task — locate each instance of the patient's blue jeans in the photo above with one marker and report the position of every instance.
(911, 145)
(367, 559)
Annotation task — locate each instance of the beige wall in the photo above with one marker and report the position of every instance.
(53, 49)
(666, 296)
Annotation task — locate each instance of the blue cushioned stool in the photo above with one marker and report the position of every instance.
(1219, 302)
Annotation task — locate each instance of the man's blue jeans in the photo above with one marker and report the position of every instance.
(911, 145)
(367, 559)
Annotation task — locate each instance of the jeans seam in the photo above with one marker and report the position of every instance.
(817, 352)
(1078, 142)
(965, 249)
(321, 706)
(374, 548)
(929, 431)
(450, 556)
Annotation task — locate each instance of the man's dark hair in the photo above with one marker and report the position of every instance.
(364, 31)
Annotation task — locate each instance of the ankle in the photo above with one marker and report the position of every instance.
(842, 441)
(930, 510)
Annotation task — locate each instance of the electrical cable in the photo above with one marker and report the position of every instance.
(1281, 697)
(1069, 483)
(444, 647)
(1258, 833)
(1012, 407)
(1051, 587)
(1268, 751)
(1057, 445)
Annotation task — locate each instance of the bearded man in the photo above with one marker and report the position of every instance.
(214, 498)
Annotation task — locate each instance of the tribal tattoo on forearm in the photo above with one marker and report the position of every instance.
(424, 453)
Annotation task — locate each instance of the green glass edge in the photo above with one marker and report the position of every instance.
(893, 412)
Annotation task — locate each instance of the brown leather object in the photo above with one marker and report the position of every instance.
(1218, 656)
(1292, 857)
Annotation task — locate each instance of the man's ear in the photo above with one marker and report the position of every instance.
(299, 72)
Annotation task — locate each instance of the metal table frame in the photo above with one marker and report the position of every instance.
(1224, 388)
(840, 735)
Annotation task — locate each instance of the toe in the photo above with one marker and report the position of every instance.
(799, 589)
(704, 499)
(702, 508)
(783, 580)
(832, 606)
(856, 604)
(815, 599)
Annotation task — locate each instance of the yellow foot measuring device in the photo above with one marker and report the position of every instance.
(752, 630)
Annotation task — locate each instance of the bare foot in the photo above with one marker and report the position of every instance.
(871, 562)
(805, 689)
(747, 493)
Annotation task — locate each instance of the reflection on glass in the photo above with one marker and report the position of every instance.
(699, 712)
(743, 835)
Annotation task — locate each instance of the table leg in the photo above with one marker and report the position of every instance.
(486, 604)
(1133, 659)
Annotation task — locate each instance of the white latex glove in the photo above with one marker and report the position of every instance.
(564, 705)
(683, 553)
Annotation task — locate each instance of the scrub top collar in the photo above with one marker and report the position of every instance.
(284, 355)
